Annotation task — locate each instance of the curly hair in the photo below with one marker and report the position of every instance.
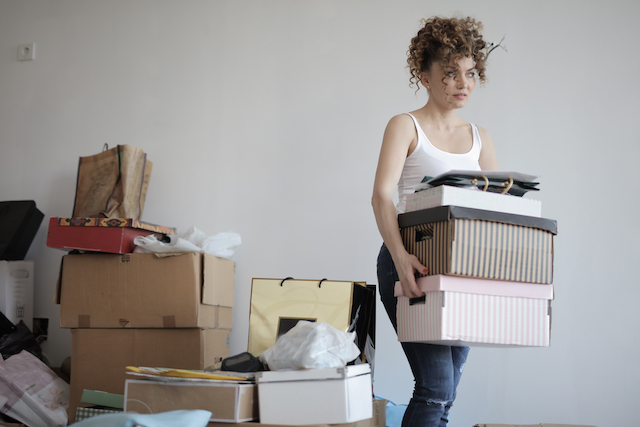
(445, 40)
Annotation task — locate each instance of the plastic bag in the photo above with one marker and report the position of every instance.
(20, 339)
(193, 240)
(32, 393)
(311, 345)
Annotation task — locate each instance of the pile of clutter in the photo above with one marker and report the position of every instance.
(30, 390)
(151, 314)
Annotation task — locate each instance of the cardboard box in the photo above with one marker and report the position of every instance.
(99, 357)
(227, 401)
(472, 312)
(188, 290)
(315, 396)
(445, 195)
(16, 291)
(110, 235)
(479, 243)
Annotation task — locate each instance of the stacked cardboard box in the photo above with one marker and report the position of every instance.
(490, 271)
(170, 311)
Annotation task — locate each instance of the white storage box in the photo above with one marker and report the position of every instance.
(476, 312)
(16, 291)
(315, 396)
(445, 195)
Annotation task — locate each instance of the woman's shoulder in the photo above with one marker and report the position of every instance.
(401, 123)
(484, 134)
(403, 119)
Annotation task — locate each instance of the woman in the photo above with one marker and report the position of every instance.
(446, 57)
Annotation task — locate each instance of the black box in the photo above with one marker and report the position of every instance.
(19, 223)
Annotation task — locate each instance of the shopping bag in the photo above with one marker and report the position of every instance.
(32, 393)
(277, 305)
(112, 184)
(493, 182)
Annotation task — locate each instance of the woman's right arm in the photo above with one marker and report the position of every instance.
(399, 138)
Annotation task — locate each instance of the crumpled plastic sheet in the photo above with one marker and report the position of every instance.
(193, 240)
(311, 345)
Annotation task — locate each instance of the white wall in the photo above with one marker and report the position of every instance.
(266, 117)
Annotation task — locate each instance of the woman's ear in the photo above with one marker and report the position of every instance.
(424, 79)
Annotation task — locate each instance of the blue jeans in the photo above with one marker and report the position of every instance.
(436, 368)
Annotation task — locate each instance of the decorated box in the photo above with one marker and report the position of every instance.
(111, 235)
(479, 243)
(470, 312)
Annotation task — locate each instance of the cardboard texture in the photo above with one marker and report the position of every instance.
(486, 316)
(227, 401)
(446, 195)
(99, 357)
(315, 396)
(16, 291)
(110, 235)
(19, 224)
(478, 243)
(277, 304)
(188, 290)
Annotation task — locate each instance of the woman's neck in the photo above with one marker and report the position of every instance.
(439, 117)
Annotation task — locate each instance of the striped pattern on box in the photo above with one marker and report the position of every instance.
(457, 318)
(485, 249)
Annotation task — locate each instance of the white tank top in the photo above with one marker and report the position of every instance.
(427, 160)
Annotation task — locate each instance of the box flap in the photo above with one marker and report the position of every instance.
(441, 282)
(446, 213)
(218, 280)
(313, 374)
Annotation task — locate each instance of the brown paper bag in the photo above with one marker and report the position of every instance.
(112, 184)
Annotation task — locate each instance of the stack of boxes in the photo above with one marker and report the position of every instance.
(490, 260)
(130, 309)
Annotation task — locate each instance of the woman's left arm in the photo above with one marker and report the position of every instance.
(487, 159)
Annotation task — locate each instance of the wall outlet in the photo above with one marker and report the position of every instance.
(27, 52)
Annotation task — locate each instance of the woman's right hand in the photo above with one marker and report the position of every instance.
(407, 266)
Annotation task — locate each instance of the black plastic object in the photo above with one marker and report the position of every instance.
(243, 362)
(19, 223)
(18, 340)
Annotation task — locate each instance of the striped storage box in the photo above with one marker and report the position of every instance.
(480, 243)
(470, 312)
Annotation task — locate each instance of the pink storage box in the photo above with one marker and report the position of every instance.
(476, 312)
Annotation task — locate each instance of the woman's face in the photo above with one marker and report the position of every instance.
(449, 86)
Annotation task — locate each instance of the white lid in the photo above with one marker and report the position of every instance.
(313, 374)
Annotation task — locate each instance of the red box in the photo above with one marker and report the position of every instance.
(111, 235)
